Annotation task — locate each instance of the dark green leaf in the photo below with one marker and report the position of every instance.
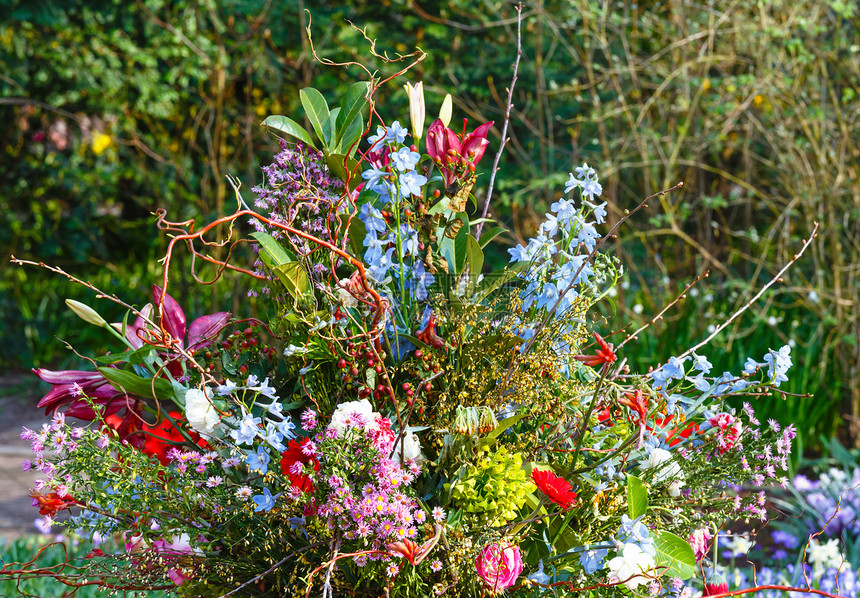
(288, 126)
(352, 110)
(317, 110)
(474, 257)
(335, 164)
(294, 278)
(330, 129)
(461, 242)
(490, 235)
(349, 137)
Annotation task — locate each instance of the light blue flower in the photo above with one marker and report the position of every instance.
(374, 247)
(701, 363)
(227, 388)
(286, 427)
(266, 390)
(264, 502)
(375, 178)
(778, 363)
(396, 133)
(247, 430)
(259, 460)
(372, 219)
(571, 184)
(750, 366)
(539, 576)
(520, 254)
(381, 133)
(274, 437)
(405, 159)
(588, 236)
(699, 382)
(598, 211)
(548, 297)
(632, 530)
(675, 368)
(592, 560)
(423, 279)
(564, 210)
(592, 189)
(411, 183)
(585, 172)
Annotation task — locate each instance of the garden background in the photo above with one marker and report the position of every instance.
(113, 109)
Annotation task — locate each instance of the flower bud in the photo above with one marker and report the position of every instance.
(416, 108)
(86, 313)
(446, 110)
(715, 585)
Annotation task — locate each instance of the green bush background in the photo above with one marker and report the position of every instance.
(113, 109)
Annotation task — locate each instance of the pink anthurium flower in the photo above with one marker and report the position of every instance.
(456, 155)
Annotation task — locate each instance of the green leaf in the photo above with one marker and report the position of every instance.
(273, 254)
(157, 388)
(317, 110)
(330, 129)
(461, 242)
(675, 553)
(637, 497)
(503, 425)
(288, 126)
(490, 235)
(352, 110)
(474, 257)
(350, 136)
(494, 280)
(335, 165)
(294, 278)
(357, 232)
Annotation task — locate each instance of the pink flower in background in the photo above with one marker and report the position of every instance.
(499, 566)
(699, 540)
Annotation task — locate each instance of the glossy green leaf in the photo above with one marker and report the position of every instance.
(316, 109)
(353, 107)
(675, 553)
(272, 254)
(461, 244)
(490, 235)
(637, 497)
(289, 127)
(474, 257)
(349, 138)
(157, 388)
(330, 129)
(294, 278)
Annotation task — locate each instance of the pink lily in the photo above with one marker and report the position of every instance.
(201, 333)
(455, 154)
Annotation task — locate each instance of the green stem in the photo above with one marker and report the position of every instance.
(581, 434)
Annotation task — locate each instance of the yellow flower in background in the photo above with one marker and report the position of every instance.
(101, 142)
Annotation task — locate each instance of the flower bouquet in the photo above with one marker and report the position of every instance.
(406, 422)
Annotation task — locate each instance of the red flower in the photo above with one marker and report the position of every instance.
(453, 154)
(557, 489)
(53, 503)
(636, 402)
(165, 435)
(674, 435)
(604, 354)
(428, 336)
(295, 455)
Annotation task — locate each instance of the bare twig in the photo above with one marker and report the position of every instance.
(508, 108)
(747, 305)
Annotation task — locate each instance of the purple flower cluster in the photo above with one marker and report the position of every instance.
(298, 191)
(832, 503)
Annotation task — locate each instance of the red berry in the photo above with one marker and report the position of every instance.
(418, 353)
(353, 372)
(341, 364)
(252, 341)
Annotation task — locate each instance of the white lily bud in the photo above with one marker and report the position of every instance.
(86, 313)
(416, 108)
(447, 110)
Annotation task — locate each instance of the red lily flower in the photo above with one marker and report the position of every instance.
(406, 549)
(675, 435)
(557, 489)
(453, 154)
(603, 355)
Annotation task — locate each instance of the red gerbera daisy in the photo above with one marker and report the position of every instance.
(557, 489)
(294, 455)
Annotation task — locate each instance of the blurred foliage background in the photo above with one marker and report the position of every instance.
(112, 109)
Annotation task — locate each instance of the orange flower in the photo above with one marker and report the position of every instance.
(603, 355)
(53, 503)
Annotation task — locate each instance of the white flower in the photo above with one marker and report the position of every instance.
(631, 563)
(675, 488)
(346, 298)
(362, 407)
(739, 545)
(294, 350)
(668, 469)
(824, 556)
(411, 448)
(202, 416)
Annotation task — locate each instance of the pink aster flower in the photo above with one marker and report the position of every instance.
(699, 540)
(438, 514)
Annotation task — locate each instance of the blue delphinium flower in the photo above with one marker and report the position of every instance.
(264, 502)
(259, 460)
(592, 560)
(778, 363)
(247, 430)
(634, 531)
(396, 133)
(405, 159)
(411, 183)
